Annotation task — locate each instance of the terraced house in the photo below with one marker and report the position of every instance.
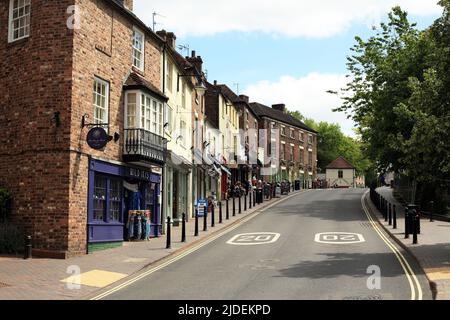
(82, 109)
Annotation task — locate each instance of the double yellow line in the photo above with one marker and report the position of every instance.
(412, 279)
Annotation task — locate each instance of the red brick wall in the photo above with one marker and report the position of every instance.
(35, 82)
(102, 48)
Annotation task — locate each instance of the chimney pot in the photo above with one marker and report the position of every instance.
(215, 82)
(193, 54)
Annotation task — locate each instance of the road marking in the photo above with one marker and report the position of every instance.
(187, 252)
(339, 238)
(402, 260)
(95, 278)
(254, 238)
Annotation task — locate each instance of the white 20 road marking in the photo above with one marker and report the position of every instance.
(254, 239)
(339, 238)
(403, 262)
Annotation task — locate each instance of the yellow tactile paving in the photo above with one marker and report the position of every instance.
(95, 278)
(438, 273)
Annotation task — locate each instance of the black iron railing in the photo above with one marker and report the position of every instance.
(143, 145)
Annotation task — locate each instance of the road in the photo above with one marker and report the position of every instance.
(294, 266)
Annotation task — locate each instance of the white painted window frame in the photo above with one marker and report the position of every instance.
(135, 49)
(105, 83)
(11, 20)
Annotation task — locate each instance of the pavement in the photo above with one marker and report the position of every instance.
(433, 250)
(317, 245)
(43, 279)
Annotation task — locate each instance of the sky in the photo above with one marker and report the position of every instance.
(284, 51)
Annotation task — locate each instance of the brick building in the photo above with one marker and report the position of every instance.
(57, 83)
(290, 144)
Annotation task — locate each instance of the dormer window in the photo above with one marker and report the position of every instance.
(19, 19)
(138, 49)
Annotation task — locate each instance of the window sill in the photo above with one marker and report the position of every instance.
(138, 71)
(20, 41)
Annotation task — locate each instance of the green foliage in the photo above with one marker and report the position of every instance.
(332, 143)
(11, 239)
(400, 96)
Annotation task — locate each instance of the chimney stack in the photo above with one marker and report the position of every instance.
(196, 61)
(244, 98)
(215, 82)
(169, 37)
(280, 107)
(128, 4)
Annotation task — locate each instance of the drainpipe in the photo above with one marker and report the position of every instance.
(164, 169)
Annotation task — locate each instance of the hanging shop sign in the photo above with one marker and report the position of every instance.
(97, 138)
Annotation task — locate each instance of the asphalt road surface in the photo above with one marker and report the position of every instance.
(321, 246)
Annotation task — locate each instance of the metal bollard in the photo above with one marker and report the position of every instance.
(250, 202)
(254, 198)
(183, 228)
(234, 206)
(156, 227)
(28, 248)
(395, 216)
(168, 236)
(228, 209)
(386, 213)
(390, 214)
(196, 223)
(415, 218)
(245, 201)
(240, 207)
(220, 213)
(407, 223)
(432, 211)
(213, 216)
(205, 220)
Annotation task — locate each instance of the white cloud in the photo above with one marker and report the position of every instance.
(307, 95)
(292, 18)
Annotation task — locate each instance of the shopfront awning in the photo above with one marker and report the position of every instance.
(177, 160)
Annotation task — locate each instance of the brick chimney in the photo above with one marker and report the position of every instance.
(169, 37)
(280, 107)
(244, 98)
(128, 4)
(215, 82)
(197, 61)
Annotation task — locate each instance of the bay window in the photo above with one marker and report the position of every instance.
(144, 112)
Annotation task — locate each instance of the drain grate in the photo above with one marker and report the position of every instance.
(370, 297)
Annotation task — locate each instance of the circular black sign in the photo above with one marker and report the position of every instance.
(97, 138)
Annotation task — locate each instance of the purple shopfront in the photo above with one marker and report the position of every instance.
(114, 192)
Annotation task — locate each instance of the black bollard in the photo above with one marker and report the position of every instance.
(168, 236)
(240, 206)
(156, 229)
(228, 209)
(254, 198)
(250, 202)
(395, 216)
(432, 211)
(386, 213)
(28, 248)
(205, 219)
(234, 206)
(196, 223)
(415, 225)
(245, 201)
(390, 214)
(213, 216)
(407, 223)
(183, 228)
(220, 213)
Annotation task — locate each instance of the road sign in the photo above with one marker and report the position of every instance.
(202, 206)
(339, 238)
(253, 239)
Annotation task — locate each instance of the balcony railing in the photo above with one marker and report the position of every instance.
(144, 146)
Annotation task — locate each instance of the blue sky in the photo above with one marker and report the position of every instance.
(289, 51)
